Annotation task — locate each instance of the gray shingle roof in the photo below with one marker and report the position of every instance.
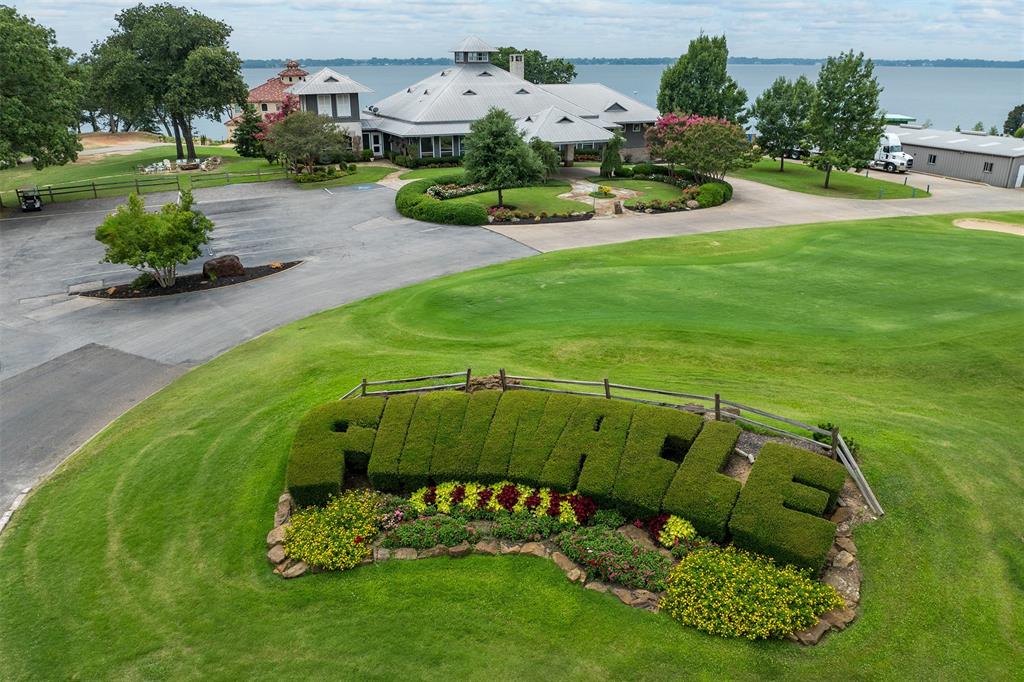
(610, 104)
(560, 127)
(327, 82)
(472, 44)
(952, 140)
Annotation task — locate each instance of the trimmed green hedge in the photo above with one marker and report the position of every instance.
(413, 202)
(638, 458)
(779, 509)
(331, 438)
(699, 492)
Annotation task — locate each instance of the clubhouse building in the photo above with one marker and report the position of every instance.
(431, 118)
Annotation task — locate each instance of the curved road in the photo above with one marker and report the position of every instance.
(69, 365)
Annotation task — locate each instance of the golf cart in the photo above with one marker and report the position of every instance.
(30, 199)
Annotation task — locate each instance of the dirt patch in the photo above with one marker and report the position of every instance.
(96, 140)
(189, 283)
(990, 225)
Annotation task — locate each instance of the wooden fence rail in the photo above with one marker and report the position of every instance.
(723, 409)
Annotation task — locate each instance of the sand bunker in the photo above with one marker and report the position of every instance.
(990, 225)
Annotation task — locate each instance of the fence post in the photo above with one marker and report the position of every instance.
(177, 182)
(905, 181)
(362, 387)
(227, 177)
(94, 194)
(607, 389)
(469, 373)
(835, 442)
(501, 373)
(718, 408)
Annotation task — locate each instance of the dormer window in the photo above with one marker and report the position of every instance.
(426, 92)
(615, 106)
(409, 90)
(469, 92)
(330, 79)
(522, 91)
(565, 119)
(486, 73)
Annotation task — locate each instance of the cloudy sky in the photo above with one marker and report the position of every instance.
(924, 29)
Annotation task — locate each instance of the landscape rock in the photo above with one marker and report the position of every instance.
(596, 586)
(276, 554)
(643, 598)
(381, 553)
(487, 547)
(813, 634)
(839, 618)
(295, 570)
(509, 549)
(575, 575)
(843, 559)
(638, 535)
(223, 266)
(404, 553)
(624, 595)
(534, 549)
(842, 514)
(435, 551)
(563, 562)
(285, 497)
(845, 580)
(460, 550)
(276, 535)
(692, 204)
(847, 544)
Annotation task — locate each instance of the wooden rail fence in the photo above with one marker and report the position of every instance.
(722, 408)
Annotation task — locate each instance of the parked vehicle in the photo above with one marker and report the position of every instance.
(890, 156)
(30, 199)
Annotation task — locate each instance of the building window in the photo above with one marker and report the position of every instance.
(446, 145)
(931, 159)
(263, 106)
(460, 57)
(987, 168)
(636, 127)
(426, 146)
(323, 105)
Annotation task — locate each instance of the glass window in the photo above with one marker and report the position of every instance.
(263, 106)
(987, 168)
(323, 105)
(636, 127)
(931, 159)
(426, 146)
(446, 145)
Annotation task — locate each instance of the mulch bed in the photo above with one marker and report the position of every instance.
(188, 283)
(550, 219)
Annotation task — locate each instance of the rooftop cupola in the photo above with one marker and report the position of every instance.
(292, 72)
(472, 50)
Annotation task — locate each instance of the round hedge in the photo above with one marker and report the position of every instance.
(412, 201)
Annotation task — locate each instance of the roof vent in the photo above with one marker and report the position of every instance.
(469, 92)
(615, 106)
(444, 73)
(528, 119)
(565, 119)
(981, 133)
(426, 92)
(330, 79)
(486, 73)
(409, 90)
(522, 91)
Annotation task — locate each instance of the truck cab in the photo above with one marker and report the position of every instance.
(890, 156)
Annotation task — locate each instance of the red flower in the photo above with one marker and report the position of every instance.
(483, 497)
(430, 497)
(555, 505)
(359, 539)
(508, 496)
(458, 494)
(533, 500)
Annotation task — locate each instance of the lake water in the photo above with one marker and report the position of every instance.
(947, 96)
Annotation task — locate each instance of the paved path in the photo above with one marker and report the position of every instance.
(69, 365)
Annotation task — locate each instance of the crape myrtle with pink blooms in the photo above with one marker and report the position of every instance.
(707, 146)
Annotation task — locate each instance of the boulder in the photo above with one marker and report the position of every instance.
(692, 204)
(839, 618)
(596, 586)
(460, 550)
(847, 544)
(404, 553)
(285, 497)
(435, 551)
(509, 549)
(643, 598)
(276, 554)
(563, 562)
(575, 575)
(624, 595)
(534, 549)
(295, 570)
(843, 559)
(813, 634)
(487, 547)
(276, 535)
(845, 580)
(842, 514)
(223, 266)
(381, 553)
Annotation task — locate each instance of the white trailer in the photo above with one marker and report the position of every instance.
(890, 156)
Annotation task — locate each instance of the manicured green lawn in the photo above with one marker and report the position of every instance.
(533, 199)
(118, 167)
(421, 173)
(801, 178)
(649, 189)
(144, 556)
(365, 174)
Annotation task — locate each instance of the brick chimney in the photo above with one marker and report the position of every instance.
(516, 66)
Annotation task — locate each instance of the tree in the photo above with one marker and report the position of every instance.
(611, 158)
(39, 97)
(186, 67)
(709, 147)
(782, 112)
(115, 88)
(154, 242)
(1019, 133)
(979, 127)
(548, 155)
(845, 124)
(537, 66)
(497, 156)
(698, 83)
(1014, 120)
(993, 130)
(248, 133)
(303, 138)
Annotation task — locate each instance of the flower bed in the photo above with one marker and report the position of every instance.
(732, 593)
(322, 174)
(512, 216)
(612, 557)
(454, 190)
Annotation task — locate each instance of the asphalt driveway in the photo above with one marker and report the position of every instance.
(69, 365)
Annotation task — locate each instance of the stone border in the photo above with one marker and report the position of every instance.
(842, 570)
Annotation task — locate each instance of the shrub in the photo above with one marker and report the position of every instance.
(517, 416)
(367, 155)
(598, 434)
(525, 527)
(413, 202)
(711, 194)
(330, 437)
(387, 447)
(457, 449)
(624, 172)
(429, 532)
(608, 518)
(529, 454)
(612, 557)
(731, 593)
(341, 534)
(658, 440)
(779, 508)
(698, 491)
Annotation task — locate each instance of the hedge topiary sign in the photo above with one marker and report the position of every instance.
(638, 458)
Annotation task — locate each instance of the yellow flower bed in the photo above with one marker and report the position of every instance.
(339, 535)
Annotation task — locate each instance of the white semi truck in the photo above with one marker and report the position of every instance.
(890, 156)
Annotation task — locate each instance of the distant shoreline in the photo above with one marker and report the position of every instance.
(587, 61)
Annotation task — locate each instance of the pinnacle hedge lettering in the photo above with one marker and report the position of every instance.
(641, 459)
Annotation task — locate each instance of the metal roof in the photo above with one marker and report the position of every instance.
(951, 140)
(472, 44)
(327, 82)
(559, 127)
(610, 104)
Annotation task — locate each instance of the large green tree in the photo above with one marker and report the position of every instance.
(186, 67)
(537, 66)
(1014, 120)
(39, 96)
(497, 156)
(116, 88)
(249, 133)
(611, 157)
(303, 138)
(782, 112)
(845, 123)
(698, 83)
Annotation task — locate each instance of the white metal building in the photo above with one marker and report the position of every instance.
(966, 155)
